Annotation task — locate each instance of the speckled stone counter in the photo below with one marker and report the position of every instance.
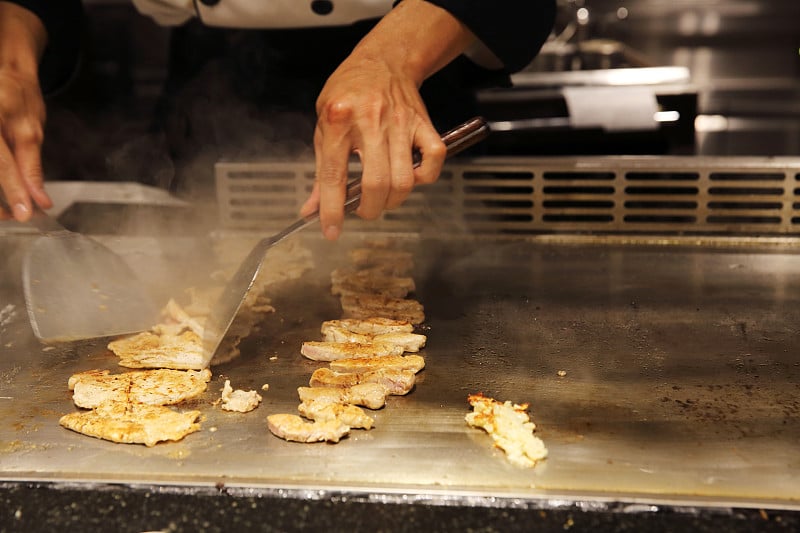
(89, 508)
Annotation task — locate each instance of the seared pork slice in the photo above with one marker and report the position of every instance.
(409, 342)
(395, 287)
(331, 351)
(414, 363)
(340, 334)
(341, 275)
(370, 305)
(132, 423)
(370, 257)
(348, 414)
(239, 400)
(149, 350)
(294, 428)
(397, 382)
(152, 387)
(374, 325)
(370, 395)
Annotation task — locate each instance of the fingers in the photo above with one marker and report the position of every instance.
(332, 147)
(14, 191)
(28, 155)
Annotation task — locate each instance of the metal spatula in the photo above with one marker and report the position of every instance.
(235, 292)
(76, 288)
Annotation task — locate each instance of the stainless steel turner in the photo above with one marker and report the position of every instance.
(76, 288)
(235, 292)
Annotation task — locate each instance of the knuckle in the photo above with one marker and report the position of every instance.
(337, 112)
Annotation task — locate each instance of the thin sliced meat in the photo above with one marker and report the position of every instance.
(331, 351)
(348, 414)
(293, 428)
(397, 382)
(152, 387)
(374, 325)
(371, 305)
(132, 423)
(414, 363)
(369, 395)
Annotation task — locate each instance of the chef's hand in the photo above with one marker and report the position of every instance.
(371, 106)
(22, 111)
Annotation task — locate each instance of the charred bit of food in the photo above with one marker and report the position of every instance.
(239, 400)
(510, 428)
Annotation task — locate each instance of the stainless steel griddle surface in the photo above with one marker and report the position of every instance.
(682, 382)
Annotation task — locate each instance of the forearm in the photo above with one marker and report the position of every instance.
(416, 38)
(23, 39)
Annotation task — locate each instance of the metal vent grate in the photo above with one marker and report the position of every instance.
(691, 195)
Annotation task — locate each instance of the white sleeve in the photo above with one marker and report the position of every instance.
(167, 12)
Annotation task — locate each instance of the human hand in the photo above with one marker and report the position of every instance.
(371, 106)
(370, 109)
(22, 116)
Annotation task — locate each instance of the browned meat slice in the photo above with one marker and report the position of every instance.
(339, 334)
(294, 428)
(409, 342)
(374, 325)
(395, 287)
(371, 257)
(371, 305)
(150, 350)
(331, 351)
(370, 395)
(348, 414)
(132, 423)
(414, 363)
(397, 382)
(153, 387)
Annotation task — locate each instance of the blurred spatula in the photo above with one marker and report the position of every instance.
(76, 288)
(235, 292)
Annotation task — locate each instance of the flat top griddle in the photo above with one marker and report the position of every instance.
(682, 382)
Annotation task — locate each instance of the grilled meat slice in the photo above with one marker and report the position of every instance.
(397, 382)
(370, 395)
(294, 428)
(331, 351)
(414, 363)
(395, 287)
(372, 305)
(132, 423)
(322, 410)
(150, 350)
(410, 342)
(376, 257)
(152, 387)
(374, 325)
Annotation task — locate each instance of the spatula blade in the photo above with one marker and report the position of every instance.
(76, 288)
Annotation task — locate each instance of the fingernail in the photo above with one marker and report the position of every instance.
(21, 211)
(332, 233)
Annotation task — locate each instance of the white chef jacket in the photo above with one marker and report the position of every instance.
(264, 14)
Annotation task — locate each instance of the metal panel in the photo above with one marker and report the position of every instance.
(647, 195)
